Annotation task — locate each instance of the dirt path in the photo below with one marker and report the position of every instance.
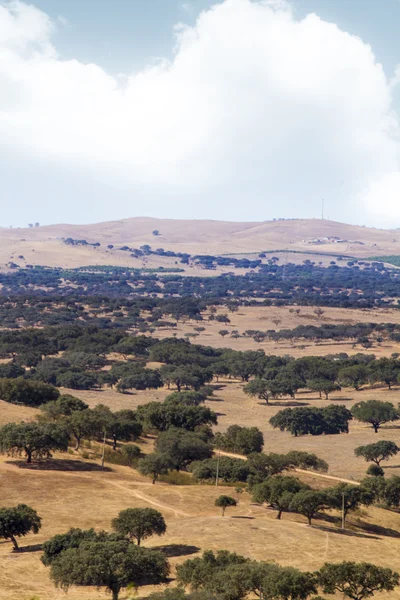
(80, 474)
(313, 473)
(178, 513)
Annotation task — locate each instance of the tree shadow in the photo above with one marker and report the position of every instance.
(339, 399)
(390, 467)
(378, 529)
(242, 517)
(172, 550)
(346, 532)
(285, 403)
(55, 464)
(31, 548)
(219, 414)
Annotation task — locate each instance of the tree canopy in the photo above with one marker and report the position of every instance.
(375, 412)
(18, 521)
(139, 523)
(34, 440)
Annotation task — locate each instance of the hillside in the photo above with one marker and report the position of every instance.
(45, 246)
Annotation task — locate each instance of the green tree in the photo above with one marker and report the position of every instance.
(181, 447)
(34, 440)
(131, 452)
(64, 406)
(143, 379)
(348, 497)
(331, 419)
(153, 465)
(243, 440)
(225, 501)
(385, 370)
(122, 426)
(18, 521)
(377, 452)
(375, 471)
(321, 384)
(353, 376)
(82, 424)
(356, 580)
(198, 573)
(113, 565)
(53, 547)
(308, 503)
(278, 491)
(29, 393)
(139, 523)
(375, 412)
(258, 388)
(288, 583)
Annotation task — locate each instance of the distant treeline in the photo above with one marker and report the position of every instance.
(305, 284)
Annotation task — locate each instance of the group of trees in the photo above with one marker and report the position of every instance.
(376, 453)
(364, 334)
(257, 468)
(117, 560)
(109, 560)
(334, 418)
(286, 493)
(289, 494)
(85, 557)
(229, 576)
(86, 350)
(243, 440)
(301, 284)
(63, 420)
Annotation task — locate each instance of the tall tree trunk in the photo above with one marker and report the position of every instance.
(28, 456)
(115, 593)
(278, 516)
(309, 520)
(15, 543)
(78, 443)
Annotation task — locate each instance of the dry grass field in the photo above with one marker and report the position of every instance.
(92, 498)
(266, 318)
(233, 406)
(44, 246)
(72, 491)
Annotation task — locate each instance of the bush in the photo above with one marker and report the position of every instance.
(29, 393)
(131, 453)
(375, 471)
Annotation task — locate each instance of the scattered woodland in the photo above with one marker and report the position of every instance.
(152, 442)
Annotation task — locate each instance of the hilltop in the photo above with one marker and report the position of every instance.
(45, 245)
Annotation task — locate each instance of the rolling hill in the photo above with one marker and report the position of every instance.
(45, 245)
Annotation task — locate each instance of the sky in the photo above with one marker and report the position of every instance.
(242, 110)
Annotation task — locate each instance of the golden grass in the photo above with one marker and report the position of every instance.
(92, 498)
(44, 246)
(76, 494)
(263, 318)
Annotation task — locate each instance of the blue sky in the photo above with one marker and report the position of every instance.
(236, 110)
(126, 34)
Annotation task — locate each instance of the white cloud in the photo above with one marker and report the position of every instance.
(258, 115)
